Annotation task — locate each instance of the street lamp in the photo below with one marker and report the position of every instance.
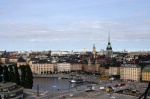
(54, 90)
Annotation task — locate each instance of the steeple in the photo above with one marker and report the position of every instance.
(109, 36)
(94, 50)
(109, 43)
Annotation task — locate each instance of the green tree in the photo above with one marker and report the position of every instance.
(16, 75)
(11, 74)
(26, 76)
(5, 74)
(1, 73)
(29, 77)
(23, 75)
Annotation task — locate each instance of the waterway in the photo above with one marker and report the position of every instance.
(49, 83)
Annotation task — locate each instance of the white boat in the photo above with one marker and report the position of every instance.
(72, 81)
(59, 77)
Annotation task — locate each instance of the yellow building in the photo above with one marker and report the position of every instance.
(113, 70)
(43, 67)
(146, 73)
(130, 72)
(21, 63)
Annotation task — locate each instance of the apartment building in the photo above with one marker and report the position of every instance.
(130, 72)
(21, 63)
(76, 67)
(63, 67)
(102, 70)
(4, 60)
(42, 67)
(146, 73)
(13, 59)
(114, 70)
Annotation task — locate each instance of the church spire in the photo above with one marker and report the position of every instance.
(109, 43)
(109, 37)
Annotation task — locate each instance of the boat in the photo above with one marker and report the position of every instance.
(73, 81)
(79, 80)
(59, 77)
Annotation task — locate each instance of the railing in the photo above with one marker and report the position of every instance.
(144, 95)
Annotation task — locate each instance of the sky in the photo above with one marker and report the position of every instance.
(74, 25)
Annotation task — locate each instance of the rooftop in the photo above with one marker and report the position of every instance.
(146, 69)
(6, 84)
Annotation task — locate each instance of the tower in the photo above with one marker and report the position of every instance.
(94, 51)
(109, 51)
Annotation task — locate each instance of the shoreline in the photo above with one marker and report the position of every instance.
(66, 76)
(51, 75)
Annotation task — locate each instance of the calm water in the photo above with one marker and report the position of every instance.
(48, 83)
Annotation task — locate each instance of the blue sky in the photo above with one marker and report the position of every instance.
(74, 24)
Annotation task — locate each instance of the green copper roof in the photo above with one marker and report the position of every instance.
(109, 46)
(146, 69)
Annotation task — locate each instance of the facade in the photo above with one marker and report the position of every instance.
(21, 63)
(106, 72)
(84, 67)
(114, 70)
(13, 59)
(146, 73)
(4, 60)
(102, 70)
(63, 67)
(91, 67)
(129, 72)
(76, 67)
(44, 67)
(10, 90)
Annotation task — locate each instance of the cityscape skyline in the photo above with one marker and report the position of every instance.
(74, 25)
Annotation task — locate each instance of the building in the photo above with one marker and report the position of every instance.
(42, 67)
(4, 60)
(130, 72)
(102, 70)
(21, 63)
(114, 71)
(146, 73)
(94, 51)
(10, 90)
(76, 67)
(61, 67)
(109, 52)
(13, 59)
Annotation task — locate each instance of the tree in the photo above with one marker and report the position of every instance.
(29, 77)
(6, 73)
(1, 72)
(26, 76)
(11, 74)
(16, 75)
(23, 76)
